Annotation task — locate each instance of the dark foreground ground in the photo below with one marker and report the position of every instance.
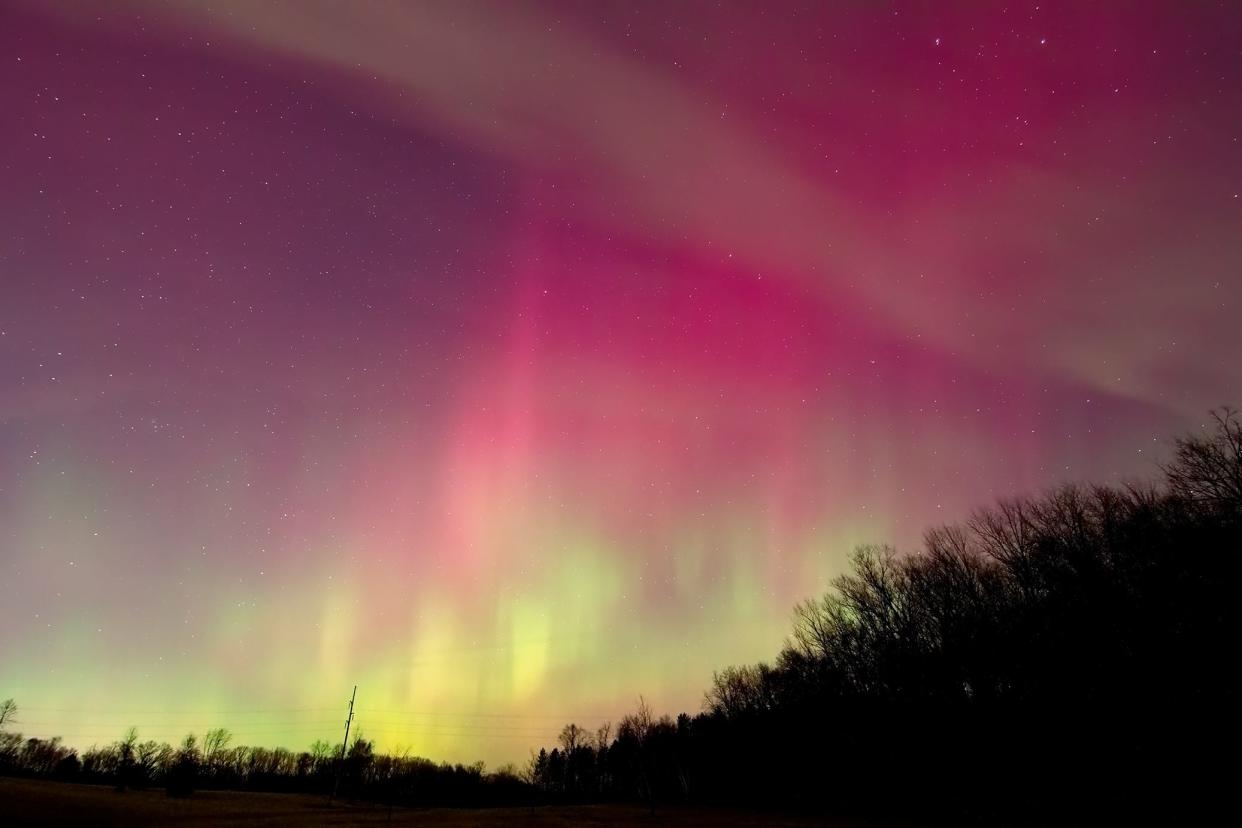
(37, 802)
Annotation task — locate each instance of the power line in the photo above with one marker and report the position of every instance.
(228, 712)
(561, 716)
(177, 711)
(370, 725)
(387, 723)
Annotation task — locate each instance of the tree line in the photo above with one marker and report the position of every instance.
(214, 762)
(1053, 659)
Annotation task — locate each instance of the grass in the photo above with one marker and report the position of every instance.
(39, 802)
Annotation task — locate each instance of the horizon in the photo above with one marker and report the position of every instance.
(392, 726)
(512, 361)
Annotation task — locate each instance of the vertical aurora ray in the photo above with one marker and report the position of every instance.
(510, 361)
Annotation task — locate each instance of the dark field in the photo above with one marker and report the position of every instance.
(37, 802)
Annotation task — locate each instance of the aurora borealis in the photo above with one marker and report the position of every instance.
(512, 360)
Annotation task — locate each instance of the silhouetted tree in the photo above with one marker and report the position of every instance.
(1207, 469)
(183, 774)
(126, 759)
(215, 742)
(1052, 659)
(1060, 656)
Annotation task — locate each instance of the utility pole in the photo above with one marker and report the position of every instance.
(341, 763)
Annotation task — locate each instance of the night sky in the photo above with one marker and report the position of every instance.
(512, 360)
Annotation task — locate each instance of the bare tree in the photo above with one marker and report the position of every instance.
(638, 724)
(1208, 469)
(572, 736)
(8, 712)
(125, 756)
(603, 736)
(214, 743)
